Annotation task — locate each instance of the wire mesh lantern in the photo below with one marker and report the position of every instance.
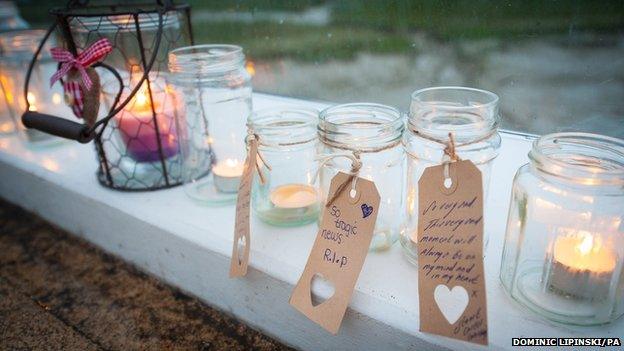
(113, 67)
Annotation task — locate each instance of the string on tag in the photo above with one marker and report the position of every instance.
(450, 149)
(450, 155)
(253, 138)
(356, 165)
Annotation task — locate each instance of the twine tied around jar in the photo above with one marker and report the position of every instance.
(449, 156)
(450, 146)
(356, 165)
(253, 139)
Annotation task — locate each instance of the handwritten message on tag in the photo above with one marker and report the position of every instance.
(341, 245)
(451, 281)
(242, 239)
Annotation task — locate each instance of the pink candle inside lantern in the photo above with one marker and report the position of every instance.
(137, 129)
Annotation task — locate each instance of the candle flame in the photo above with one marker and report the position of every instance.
(141, 99)
(586, 245)
(230, 162)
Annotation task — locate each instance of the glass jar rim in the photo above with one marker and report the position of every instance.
(584, 158)
(386, 130)
(284, 125)
(205, 58)
(454, 109)
(494, 97)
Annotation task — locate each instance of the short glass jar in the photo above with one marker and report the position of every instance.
(564, 246)
(287, 141)
(16, 51)
(374, 132)
(472, 116)
(213, 93)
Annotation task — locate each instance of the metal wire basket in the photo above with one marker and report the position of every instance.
(136, 131)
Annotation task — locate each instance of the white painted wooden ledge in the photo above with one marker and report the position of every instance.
(188, 246)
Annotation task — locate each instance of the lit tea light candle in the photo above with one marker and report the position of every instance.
(294, 196)
(227, 175)
(581, 266)
(137, 129)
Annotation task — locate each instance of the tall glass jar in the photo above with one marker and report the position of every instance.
(213, 93)
(374, 131)
(564, 246)
(472, 116)
(16, 51)
(287, 141)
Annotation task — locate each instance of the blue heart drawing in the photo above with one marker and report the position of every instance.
(366, 210)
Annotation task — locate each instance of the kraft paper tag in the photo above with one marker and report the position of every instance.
(242, 239)
(339, 250)
(451, 281)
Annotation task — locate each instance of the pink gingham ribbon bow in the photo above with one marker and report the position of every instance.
(91, 55)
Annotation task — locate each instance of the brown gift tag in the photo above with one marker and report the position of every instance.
(451, 281)
(242, 239)
(339, 250)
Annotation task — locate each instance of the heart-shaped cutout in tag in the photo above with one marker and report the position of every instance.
(322, 285)
(452, 303)
(366, 210)
(242, 242)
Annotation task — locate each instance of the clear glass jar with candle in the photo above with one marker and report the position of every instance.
(374, 132)
(287, 141)
(472, 116)
(213, 90)
(16, 51)
(564, 245)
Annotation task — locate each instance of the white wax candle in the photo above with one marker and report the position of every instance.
(227, 175)
(294, 196)
(581, 266)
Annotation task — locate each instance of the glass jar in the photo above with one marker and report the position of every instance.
(287, 141)
(472, 116)
(374, 131)
(16, 51)
(564, 245)
(213, 90)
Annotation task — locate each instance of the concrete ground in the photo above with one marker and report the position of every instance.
(58, 292)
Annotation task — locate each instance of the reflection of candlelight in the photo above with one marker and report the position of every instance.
(250, 66)
(581, 265)
(227, 175)
(56, 99)
(32, 101)
(137, 129)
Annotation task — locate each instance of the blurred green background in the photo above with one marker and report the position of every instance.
(378, 26)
